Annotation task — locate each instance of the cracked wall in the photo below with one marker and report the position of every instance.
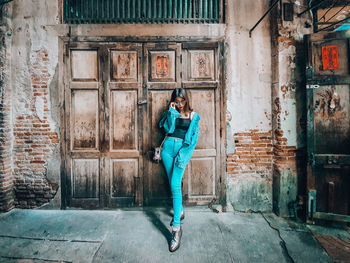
(288, 107)
(6, 144)
(249, 162)
(33, 55)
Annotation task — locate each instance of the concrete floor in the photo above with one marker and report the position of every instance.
(142, 235)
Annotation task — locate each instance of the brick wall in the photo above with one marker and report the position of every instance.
(283, 154)
(34, 142)
(253, 153)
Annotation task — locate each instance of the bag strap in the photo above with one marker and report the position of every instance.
(161, 145)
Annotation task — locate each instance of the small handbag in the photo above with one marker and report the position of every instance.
(157, 152)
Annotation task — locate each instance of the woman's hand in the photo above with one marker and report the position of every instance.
(172, 105)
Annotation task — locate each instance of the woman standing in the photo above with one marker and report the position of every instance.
(181, 124)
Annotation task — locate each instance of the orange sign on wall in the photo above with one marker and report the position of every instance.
(330, 57)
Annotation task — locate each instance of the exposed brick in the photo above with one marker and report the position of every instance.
(34, 142)
(253, 153)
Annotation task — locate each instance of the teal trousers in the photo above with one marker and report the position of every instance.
(171, 147)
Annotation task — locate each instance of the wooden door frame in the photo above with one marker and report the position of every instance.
(63, 83)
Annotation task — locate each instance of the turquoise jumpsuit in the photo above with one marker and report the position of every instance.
(176, 154)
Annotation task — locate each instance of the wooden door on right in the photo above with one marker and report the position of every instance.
(328, 97)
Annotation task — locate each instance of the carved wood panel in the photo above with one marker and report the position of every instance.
(123, 124)
(84, 65)
(85, 123)
(124, 66)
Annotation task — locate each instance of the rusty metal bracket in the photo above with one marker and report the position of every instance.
(257, 23)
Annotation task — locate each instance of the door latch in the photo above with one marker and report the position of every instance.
(141, 102)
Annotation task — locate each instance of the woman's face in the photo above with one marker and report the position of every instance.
(180, 103)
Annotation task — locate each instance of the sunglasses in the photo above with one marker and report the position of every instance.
(178, 102)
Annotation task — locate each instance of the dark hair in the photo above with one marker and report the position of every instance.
(181, 92)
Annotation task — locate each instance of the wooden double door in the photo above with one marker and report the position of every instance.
(114, 97)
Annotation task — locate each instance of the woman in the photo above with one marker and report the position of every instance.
(180, 123)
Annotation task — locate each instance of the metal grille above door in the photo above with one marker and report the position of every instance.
(143, 11)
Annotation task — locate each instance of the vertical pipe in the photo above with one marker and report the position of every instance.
(149, 9)
(217, 9)
(221, 16)
(108, 10)
(205, 9)
(117, 11)
(160, 9)
(154, 16)
(171, 9)
(186, 9)
(211, 10)
(65, 17)
(165, 13)
(194, 10)
(144, 9)
(113, 11)
(122, 10)
(180, 9)
(128, 10)
(190, 11)
(101, 10)
(133, 10)
(175, 9)
(81, 11)
(139, 11)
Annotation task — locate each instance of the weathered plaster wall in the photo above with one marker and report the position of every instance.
(288, 103)
(249, 164)
(6, 145)
(35, 103)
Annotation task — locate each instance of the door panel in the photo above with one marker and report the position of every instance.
(202, 177)
(332, 119)
(122, 124)
(123, 173)
(124, 66)
(85, 123)
(124, 120)
(84, 65)
(85, 178)
(83, 126)
(203, 101)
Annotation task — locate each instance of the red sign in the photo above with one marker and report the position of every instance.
(330, 57)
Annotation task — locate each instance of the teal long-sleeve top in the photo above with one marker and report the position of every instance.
(167, 122)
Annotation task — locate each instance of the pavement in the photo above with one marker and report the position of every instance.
(143, 235)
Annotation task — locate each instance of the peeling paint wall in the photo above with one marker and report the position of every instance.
(288, 106)
(249, 163)
(6, 144)
(34, 54)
